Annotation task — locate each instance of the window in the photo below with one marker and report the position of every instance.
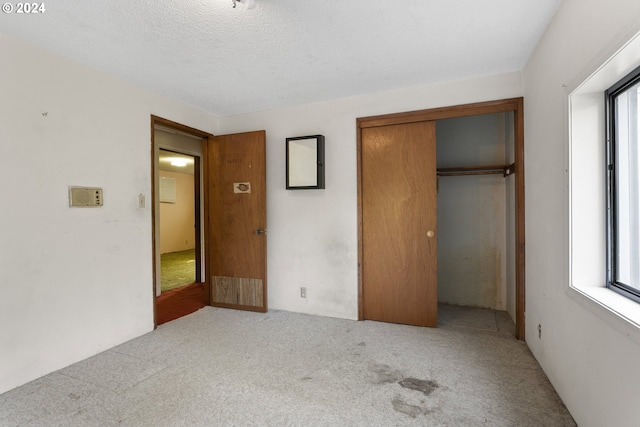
(589, 242)
(623, 186)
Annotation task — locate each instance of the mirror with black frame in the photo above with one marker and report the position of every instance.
(305, 162)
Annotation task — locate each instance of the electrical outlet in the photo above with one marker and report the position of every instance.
(303, 292)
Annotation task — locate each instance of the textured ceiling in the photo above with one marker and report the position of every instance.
(287, 52)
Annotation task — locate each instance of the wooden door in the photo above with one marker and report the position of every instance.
(399, 250)
(235, 203)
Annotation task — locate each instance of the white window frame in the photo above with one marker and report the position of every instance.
(586, 174)
(623, 266)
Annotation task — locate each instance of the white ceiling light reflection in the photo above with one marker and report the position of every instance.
(179, 162)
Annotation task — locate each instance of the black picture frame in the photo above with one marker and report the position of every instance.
(305, 163)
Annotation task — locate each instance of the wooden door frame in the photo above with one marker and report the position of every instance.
(159, 121)
(515, 105)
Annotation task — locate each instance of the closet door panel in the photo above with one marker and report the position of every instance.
(399, 239)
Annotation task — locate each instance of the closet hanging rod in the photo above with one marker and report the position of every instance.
(504, 170)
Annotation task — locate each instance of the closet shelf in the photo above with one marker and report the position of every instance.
(504, 170)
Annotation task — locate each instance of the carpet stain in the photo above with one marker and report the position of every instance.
(385, 374)
(306, 378)
(412, 410)
(424, 386)
(362, 344)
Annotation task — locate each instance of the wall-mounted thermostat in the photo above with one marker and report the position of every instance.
(85, 197)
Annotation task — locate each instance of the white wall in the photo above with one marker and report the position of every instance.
(472, 223)
(591, 363)
(73, 281)
(313, 233)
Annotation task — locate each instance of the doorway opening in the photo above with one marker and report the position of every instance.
(177, 201)
(179, 263)
(498, 254)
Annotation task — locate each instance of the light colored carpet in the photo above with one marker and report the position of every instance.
(177, 269)
(225, 367)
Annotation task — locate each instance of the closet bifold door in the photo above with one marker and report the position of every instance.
(399, 256)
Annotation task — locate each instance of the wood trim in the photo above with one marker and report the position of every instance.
(153, 222)
(197, 197)
(440, 113)
(206, 195)
(520, 220)
(490, 107)
(155, 120)
(359, 219)
(175, 303)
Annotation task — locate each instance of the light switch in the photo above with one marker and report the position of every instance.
(141, 201)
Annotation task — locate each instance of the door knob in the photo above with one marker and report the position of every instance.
(430, 233)
(261, 231)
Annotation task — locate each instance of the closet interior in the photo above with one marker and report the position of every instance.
(476, 210)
